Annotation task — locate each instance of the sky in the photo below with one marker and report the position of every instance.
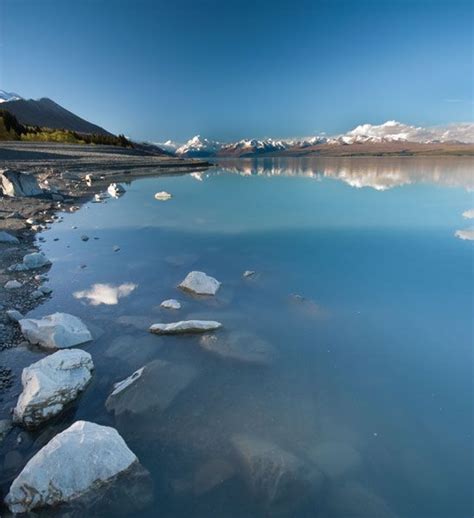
(158, 70)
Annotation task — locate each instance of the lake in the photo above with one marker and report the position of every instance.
(362, 294)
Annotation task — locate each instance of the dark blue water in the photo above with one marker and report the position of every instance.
(374, 354)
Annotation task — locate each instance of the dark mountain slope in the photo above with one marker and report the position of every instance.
(46, 113)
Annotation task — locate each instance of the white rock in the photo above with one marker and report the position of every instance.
(35, 260)
(170, 304)
(200, 284)
(56, 331)
(50, 384)
(5, 237)
(115, 190)
(185, 326)
(37, 294)
(13, 285)
(14, 315)
(162, 196)
(15, 183)
(75, 461)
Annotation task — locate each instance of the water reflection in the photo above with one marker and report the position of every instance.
(467, 234)
(105, 293)
(379, 173)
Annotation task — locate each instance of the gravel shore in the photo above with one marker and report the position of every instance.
(63, 169)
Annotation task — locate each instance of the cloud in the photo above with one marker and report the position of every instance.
(105, 293)
(466, 235)
(469, 214)
(397, 131)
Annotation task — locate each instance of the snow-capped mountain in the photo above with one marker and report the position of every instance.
(8, 96)
(388, 133)
(393, 131)
(198, 146)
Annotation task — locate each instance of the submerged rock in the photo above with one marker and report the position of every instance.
(151, 388)
(50, 384)
(80, 465)
(240, 346)
(185, 326)
(170, 304)
(279, 481)
(352, 499)
(335, 459)
(200, 284)
(15, 183)
(56, 331)
(5, 237)
(162, 196)
(210, 475)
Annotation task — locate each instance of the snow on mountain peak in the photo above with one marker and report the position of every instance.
(8, 96)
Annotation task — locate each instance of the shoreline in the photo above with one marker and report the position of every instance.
(26, 217)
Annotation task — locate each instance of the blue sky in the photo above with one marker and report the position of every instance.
(157, 70)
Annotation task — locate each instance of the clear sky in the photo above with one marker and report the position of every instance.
(231, 69)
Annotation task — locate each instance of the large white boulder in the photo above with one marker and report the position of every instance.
(56, 331)
(86, 458)
(15, 183)
(185, 326)
(50, 384)
(171, 304)
(200, 284)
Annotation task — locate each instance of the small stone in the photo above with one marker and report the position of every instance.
(170, 304)
(162, 196)
(116, 248)
(13, 285)
(37, 294)
(45, 289)
(200, 283)
(14, 315)
(5, 237)
(185, 326)
(84, 238)
(248, 273)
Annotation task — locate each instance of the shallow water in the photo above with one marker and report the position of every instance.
(364, 289)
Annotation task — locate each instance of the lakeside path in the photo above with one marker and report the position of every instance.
(61, 170)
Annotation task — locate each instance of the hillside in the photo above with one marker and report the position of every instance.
(48, 114)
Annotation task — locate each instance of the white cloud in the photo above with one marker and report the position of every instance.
(467, 234)
(469, 214)
(105, 293)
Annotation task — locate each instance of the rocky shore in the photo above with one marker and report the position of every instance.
(67, 176)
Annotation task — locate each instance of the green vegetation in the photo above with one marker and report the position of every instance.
(11, 129)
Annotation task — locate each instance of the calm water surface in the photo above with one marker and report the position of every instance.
(364, 287)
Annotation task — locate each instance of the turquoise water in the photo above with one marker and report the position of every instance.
(363, 289)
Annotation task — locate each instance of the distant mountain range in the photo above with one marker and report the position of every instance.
(391, 137)
(46, 113)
